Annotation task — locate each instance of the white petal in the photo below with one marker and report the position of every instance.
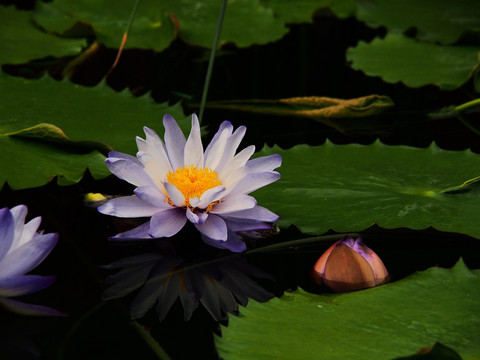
(152, 195)
(153, 156)
(193, 148)
(234, 203)
(264, 163)
(128, 207)
(196, 217)
(29, 231)
(174, 141)
(119, 155)
(232, 145)
(254, 181)
(216, 150)
(257, 213)
(129, 171)
(210, 196)
(167, 223)
(177, 198)
(214, 228)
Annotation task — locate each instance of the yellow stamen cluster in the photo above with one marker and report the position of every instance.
(193, 182)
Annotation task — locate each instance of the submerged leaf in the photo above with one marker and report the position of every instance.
(398, 58)
(348, 188)
(436, 305)
(329, 111)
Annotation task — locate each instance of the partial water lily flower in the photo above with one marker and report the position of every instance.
(179, 181)
(349, 265)
(21, 250)
(218, 284)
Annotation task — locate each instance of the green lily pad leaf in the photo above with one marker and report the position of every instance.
(26, 164)
(52, 134)
(328, 111)
(79, 120)
(394, 320)
(435, 21)
(436, 352)
(21, 41)
(398, 58)
(157, 23)
(348, 188)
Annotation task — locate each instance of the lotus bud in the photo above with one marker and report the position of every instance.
(349, 265)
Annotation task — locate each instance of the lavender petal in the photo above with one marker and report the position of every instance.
(23, 285)
(174, 141)
(167, 223)
(128, 207)
(214, 227)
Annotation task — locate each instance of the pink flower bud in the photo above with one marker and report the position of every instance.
(349, 265)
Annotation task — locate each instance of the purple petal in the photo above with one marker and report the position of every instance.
(233, 243)
(28, 232)
(167, 223)
(19, 213)
(152, 195)
(129, 171)
(254, 181)
(210, 196)
(28, 309)
(119, 155)
(193, 148)
(157, 164)
(177, 198)
(26, 257)
(196, 217)
(247, 225)
(265, 163)
(257, 213)
(7, 228)
(234, 203)
(216, 148)
(128, 207)
(214, 227)
(138, 233)
(23, 285)
(231, 147)
(174, 141)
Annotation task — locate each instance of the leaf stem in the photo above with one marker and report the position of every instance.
(212, 59)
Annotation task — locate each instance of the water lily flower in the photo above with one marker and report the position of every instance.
(219, 285)
(178, 181)
(349, 265)
(21, 250)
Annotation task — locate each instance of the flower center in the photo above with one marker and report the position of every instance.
(193, 182)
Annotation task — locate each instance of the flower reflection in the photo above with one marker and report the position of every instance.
(218, 284)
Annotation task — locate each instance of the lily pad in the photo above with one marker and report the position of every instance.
(435, 21)
(348, 188)
(398, 58)
(60, 121)
(21, 41)
(390, 321)
(157, 23)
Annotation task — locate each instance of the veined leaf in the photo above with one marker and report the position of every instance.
(393, 320)
(348, 188)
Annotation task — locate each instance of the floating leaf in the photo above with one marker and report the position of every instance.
(435, 21)
(21, 41)
(246, 21)
(89, 118)
(299, 11)
(350, 187)
(398, 58)
(436, 305)
(329, 111)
